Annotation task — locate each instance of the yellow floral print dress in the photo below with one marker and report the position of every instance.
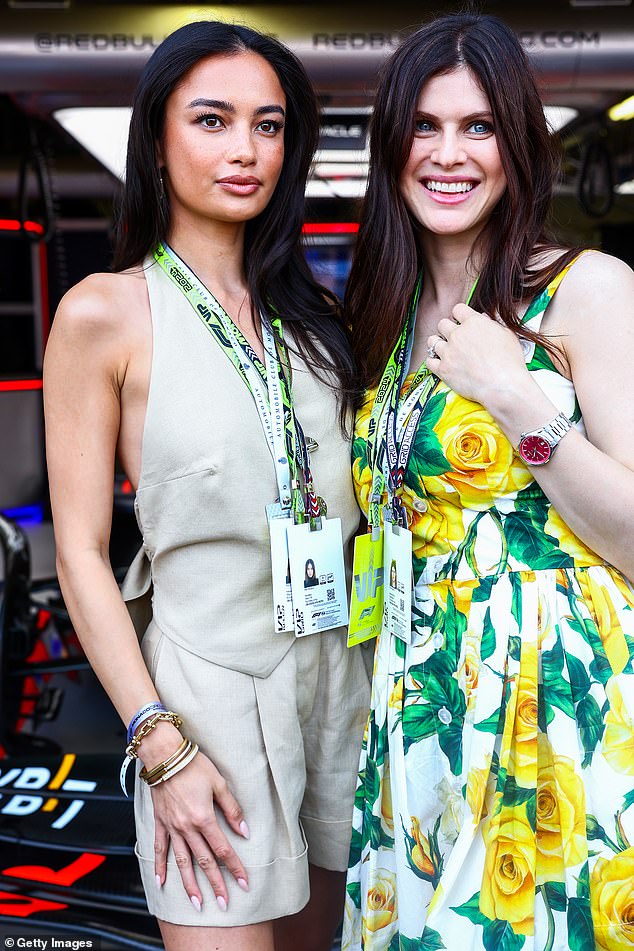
(495, 803)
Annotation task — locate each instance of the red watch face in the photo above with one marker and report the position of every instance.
(535, 450)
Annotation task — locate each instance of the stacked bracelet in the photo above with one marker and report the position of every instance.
(143, 714)
(147, 725)
(169, 767)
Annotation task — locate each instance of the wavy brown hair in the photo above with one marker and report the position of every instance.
(387, 258)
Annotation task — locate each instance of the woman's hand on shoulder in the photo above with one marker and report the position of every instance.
(185, 815)
(477, 356)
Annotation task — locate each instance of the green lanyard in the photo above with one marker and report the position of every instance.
(271, 391)
(387, 461)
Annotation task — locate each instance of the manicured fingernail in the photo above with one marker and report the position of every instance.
(242, 882)
(157, 879)
(222, 905)
(244, 830)
(195, 900)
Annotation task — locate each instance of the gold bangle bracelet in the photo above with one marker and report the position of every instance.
(148, 774)
(176, 768)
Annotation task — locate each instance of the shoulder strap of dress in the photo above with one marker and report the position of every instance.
(537, 307)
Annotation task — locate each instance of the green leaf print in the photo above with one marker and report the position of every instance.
(431, 941)
(419, 722)
(580, 930)
(471, 910)
(356, 847)
(372, 782)
(591, 726)
(499, 936)
(556, 895)
(514, 795)
(483, 591)
(434, 408)
(528, 543)
(541, 360)
(516, 600)
(490, 725)
(557, 690)
(579, 680)
(354, 890)
(395, 943)
(360, 452)
(515, 647)
(488, 643)
(583, 882)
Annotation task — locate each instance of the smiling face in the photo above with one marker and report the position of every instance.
(222, 145)
(453, 177)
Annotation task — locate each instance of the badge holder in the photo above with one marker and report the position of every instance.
(366, 600)
(397, 602)
(279, 521)
(318, 579)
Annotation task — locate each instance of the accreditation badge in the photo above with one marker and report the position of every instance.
(279, 522)
(318, 578)
(366, 600)
(397, 600)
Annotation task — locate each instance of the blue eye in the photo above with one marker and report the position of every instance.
(423, 125)
(480, 128)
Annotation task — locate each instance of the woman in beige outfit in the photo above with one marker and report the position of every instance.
(245, 738)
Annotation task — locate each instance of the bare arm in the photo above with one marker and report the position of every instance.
(589, 481)
(88, 364)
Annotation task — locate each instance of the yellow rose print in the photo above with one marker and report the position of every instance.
(508, 883)
(618, 739)
(561, 815)
(396, 697)
(610, 629)
(386, 799)
(612, 901)
(421, 852)
(523, 751)
(482, 461)
(568, 541)
(480, 785)
(468, 673)
(380, 920)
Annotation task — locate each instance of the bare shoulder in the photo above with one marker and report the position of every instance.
(104, 305)
(597, 290)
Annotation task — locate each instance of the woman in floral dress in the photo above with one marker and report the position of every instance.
(495, 804)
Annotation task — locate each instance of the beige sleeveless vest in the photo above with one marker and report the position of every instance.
(206, 477)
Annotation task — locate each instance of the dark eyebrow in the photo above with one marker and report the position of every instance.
(485, 114)
(212, 104)
(262, 110)
(229, 107)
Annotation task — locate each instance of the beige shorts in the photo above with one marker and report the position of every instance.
(288, 745)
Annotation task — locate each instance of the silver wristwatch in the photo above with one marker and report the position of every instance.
(537, 446)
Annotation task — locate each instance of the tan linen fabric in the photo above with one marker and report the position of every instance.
(288, 745)
(280, 717)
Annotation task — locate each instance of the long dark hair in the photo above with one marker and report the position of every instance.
(277, 274)
(387, 257)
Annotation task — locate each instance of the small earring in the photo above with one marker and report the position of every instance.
(161, 185)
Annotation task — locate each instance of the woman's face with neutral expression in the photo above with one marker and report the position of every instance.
(222, 145)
